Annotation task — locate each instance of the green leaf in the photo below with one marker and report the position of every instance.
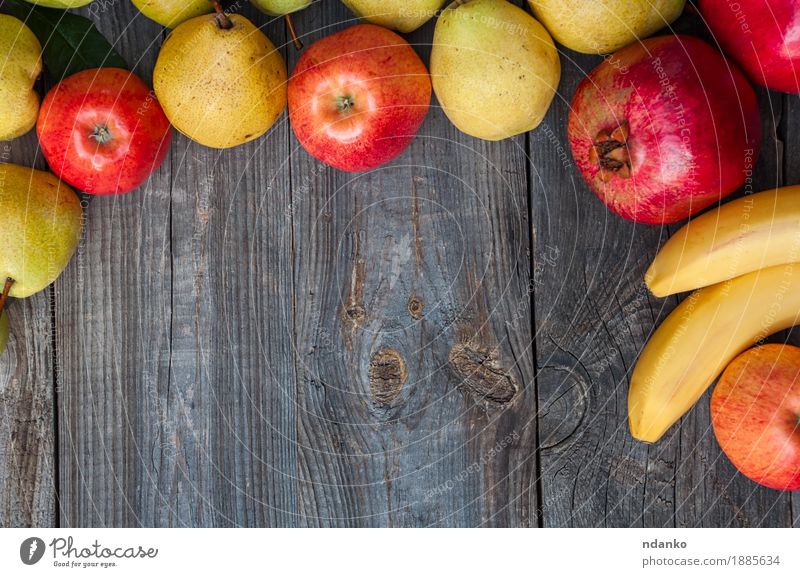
(70, 43)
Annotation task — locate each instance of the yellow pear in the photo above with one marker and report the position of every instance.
(604, 26)
(220, 80)
(280, 7)
(20, 65)
(40, 225)
(494, 68)
(170, 13)
(3, 332)
(60, 3)
(403, 16)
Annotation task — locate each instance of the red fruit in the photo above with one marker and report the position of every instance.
(103, 131)
(358, 97)
(664, 128)
(755, 409)
(762, 36)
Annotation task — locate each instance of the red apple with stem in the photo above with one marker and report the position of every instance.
(664, 128)
(762, 36)
(358, 97)
(755, 410)
(103, 131)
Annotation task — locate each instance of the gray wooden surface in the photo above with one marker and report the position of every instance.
(255, 339)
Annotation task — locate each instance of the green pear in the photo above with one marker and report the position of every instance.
(3, 332)
(170, 13)
(401, 15)
(604, 26)
(40, 225)
(22, 64)
(495, 69)
(60, 3)
(280, 7)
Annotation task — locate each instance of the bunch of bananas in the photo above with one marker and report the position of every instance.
(743, 259)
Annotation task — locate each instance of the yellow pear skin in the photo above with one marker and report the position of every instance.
(604, 26)
(3, 332)
(495, 69)
(170, 13)
(40, 226)
(395, 14)
(60, 3)
(20, 67)
(220, 87)
(280, 7)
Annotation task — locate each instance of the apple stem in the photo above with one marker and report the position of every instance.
(6, 289)
(222, 19)
(293, 32)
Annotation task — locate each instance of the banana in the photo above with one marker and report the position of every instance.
(700, 337)
(748, 234)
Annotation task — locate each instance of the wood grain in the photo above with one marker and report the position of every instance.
(256, 339)
(177, 388)
(593, 317)
(27, 445)
(417, 271)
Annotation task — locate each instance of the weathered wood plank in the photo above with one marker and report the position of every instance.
(113, 318)
(711, 493)
(27, 465)
(231, 374)
(176, 331)
(412, 310)
(789, 136)
(593, 316)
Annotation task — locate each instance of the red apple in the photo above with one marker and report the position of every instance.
(664, 128)
(762, 36)
(358, 97)
(103, 131)
(755, 410)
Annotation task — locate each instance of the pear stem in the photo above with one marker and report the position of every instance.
(222, 19)
(290, 24)
(6, 289)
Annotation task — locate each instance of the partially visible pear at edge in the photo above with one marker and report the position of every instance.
(20, 66)
(220, 86)
(60, 3)
(170, 13)
(604, 26)
(40, 226)
(495, 69)
(401, 15)
(280, 7)
(3, 331)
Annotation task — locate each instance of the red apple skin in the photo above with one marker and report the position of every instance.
(139, 133)
(762, 36)
(693, 128)
(386, 84)
(755, 410)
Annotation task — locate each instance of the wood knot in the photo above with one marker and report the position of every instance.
(482, 375)
(416, 307)
(387, 375)
(355, 313)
